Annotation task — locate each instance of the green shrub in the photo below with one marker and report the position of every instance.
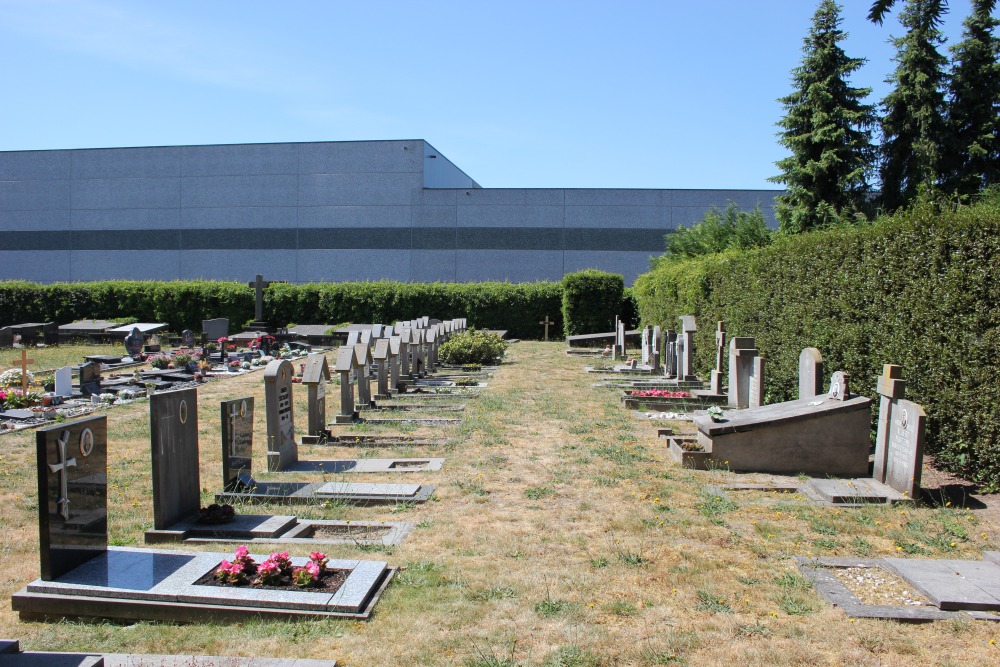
(591, 300)
(472, 347)
(917, 289)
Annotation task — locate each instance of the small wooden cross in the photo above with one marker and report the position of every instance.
(546, 322)
(23, 361)
(259, 284)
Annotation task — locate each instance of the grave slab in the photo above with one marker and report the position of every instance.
(952, 584)
(145, 328)
(367, 465)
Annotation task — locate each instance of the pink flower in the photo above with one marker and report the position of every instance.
(241, 552)
(313, 569)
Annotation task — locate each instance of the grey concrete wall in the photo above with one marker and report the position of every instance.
(317, 211)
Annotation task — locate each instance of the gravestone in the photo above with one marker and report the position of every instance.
(134, 342)
(259, 285)
(344, 367)
(215, 329)
(685, 369)
(64, 381)
(173, 434)
(742, 352)
(839, 389)
(670, 367)
(361, 361)
(430, 336)
(418, 353)
(381, 355)
(377, 330)
(353, 338)
(679, 358)
(756, 395)
(282, 450)
(315, 377)
(810, 373)
(395, 346)
(899, 439)
(647, 344)
(405, 353)
(720, 350)
(657, 342)
(237, 443)
(187, 338)
(73, 485)
(619, 352)
(90, 378)
(366, 337)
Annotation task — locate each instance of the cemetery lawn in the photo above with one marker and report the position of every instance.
(559, 534)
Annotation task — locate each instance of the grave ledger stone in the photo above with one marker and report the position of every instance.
(282, 450)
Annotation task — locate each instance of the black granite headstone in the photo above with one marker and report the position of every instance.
(72, 494)
(237, 443)
(173, 434)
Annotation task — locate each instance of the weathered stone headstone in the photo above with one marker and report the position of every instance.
(720, 350)
(657, 351)
(810, 373)
(619, 339)
(366, 337)
(756, 395)
(64, 381)
(418, 353)
(839, 389)
(670, 368)
(353, 338)
(431, 355)
(646, 345)
(282, 450)
(344, 367)
(899, 440)
(315, 377)
(395, 347)
(742, 351)
(237, 443)
(377, 330)
(187, 338)
(134, 342)
(173, 434)
(381, 355)
(361, 361)
(73, 502)
(215, 329)
(685, 369)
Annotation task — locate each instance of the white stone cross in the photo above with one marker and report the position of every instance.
(60, 468)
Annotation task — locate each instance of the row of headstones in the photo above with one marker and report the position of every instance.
(678, 362)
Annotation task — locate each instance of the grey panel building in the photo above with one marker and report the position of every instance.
(325, 211)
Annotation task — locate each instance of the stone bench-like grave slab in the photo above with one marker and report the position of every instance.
(856, 492)
(953, 588)
(368, 465)
(81, 576)
(12, 656)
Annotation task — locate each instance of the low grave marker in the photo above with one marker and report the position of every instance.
(345, 368)
(381, 355)
(315, 377)
(395, 347)
(810, 373)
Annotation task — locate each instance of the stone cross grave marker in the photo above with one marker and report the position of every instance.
(395, 345)
(344, 367)
(720, 350)
(23, 363)
(899, 440)
(742, 352)
(64, 381)
(546, 322)
(381, 355)
(756, 395)
(73, 494)
(259, 285)
(361, 361)
(810, 373)
(839, 389)
(685, 366)
(237, 443)
(282, 450)
(315, 377)
(173, 434)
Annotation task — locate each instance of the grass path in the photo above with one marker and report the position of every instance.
(560, 535)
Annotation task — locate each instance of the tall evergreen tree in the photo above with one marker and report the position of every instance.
(827, 127)
(913, 125)
(973, 155)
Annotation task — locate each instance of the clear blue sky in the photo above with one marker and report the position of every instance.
(540, 93)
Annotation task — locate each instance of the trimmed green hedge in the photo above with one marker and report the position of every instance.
(919, 289)
(516, 307)
(590, 301)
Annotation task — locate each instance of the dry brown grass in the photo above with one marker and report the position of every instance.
(559, 536)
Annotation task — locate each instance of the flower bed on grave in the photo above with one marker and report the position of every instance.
(658, 393)
(275, 573)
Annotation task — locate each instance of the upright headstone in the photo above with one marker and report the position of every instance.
(381, 355)
(395, 346)
(353, 338)
(418, 352)
(657, 349)
(315, 377)
(377, 330)
(899, 440)
(64, 381)
(405, 367)
(90, 378)
(187, 338)
(344, 367)
(720, 350)
(431, 340)
(620, 340)
(173, 434)
(810, 373)
(742, 351)
(839, 388)
(361, 361)
(134, 342)
(670, 368)
(647, 345)
(215, 329)
(237, 443)
(685, 369)
(282, 450)
(756, 396)
(73, 494)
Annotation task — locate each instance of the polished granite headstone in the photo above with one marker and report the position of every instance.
(237, 441)
(73, 498)
(282, 450)
(173, 433)
(215, 329)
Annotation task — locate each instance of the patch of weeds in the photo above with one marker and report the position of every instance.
(599, 563)
(766, 529)
(794, 605)
(825, 543)
(491, 461)
(538, 492)
(861, 546)
(754, 630)
(621, 608)
(601, 480)
(633, 559)
(709, 601)
(426, 523)
(402, 507)
(494, 593)
(550, 607)
(620, 455)
(676, 645)
(712, 505)
(517, 553)
(911, 548)
(581, 428)
(422, 573)
(121, 541)
(573, 656)
(748, 581)
(474, 486)
(489, 657)
(823, 527)
(378, 548)
(792, 581)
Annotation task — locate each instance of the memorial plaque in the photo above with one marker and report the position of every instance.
(72, 494)
(839, 389)
(315, 377)
(237, 441)
(282, 450)
(173, 433)
(810, 373)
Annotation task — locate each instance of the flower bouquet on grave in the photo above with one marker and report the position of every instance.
(12, 377)
(159, 361)
(658, 393)
(216, 514)
(234, 365)
(715, 412)
(276, 571)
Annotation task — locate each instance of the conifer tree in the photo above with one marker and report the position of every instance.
(973, 155)
(827, 128)
(913, 125)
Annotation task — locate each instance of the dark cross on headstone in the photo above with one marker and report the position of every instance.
(24, 361)
(259, 284)
(63, 502)
(546, 322)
